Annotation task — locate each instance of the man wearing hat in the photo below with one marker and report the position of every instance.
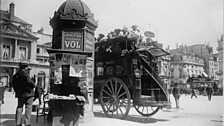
(24, 91)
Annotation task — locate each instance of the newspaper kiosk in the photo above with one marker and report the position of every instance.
(71, 63)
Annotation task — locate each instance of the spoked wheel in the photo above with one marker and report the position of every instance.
(115, 98)
(146, 110)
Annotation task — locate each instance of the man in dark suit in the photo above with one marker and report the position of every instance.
(24, 91)
(176, 94)
(209, 92)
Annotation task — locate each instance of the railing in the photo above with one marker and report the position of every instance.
(14, 60)
(152, 73)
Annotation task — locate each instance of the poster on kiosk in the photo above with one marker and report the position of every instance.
(69, 70)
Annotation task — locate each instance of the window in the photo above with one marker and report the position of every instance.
(118, 69)
(6, 52)
(22, 53)
(109, 70)
(45, 51)
(38, 50)
(100, 71)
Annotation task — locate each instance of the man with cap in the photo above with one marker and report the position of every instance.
(24, 91)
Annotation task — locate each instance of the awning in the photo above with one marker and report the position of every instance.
(155, 51)
(204, 74)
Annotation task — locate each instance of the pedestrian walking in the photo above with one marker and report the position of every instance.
(176, 94)
(24, 91)
(2, 91)
(209, 92)
(38, 93)
(193, 92)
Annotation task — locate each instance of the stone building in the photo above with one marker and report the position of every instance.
(42, 57)
(220, 60)
(206, 52)
(184, 65)
(19, 44)
(216, 68)
(164, 69)
(16, 44)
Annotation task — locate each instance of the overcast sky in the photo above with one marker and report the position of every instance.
(173, 21)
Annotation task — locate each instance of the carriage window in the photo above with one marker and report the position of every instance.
(118, 69)
(100, 71)
(109, 70)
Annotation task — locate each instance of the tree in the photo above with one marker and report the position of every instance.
(117, 31)
(100, 37)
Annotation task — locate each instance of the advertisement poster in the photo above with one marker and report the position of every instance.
(77, 65)
(72, 40)
(58, 75)
(89, 42)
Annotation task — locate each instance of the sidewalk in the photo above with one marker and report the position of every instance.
(8, 109)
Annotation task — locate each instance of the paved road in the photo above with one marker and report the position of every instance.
(193, 112)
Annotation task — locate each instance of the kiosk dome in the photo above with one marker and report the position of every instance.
(74, 10)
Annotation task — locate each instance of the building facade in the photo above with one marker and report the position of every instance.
(164, 69)
(184, 65)
(206, 52)
(220, 60)
(19, 44)
(42, 57)
(216, 68)
(16, 44)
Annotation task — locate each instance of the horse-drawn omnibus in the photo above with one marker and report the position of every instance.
(126, 75)
(200, 83)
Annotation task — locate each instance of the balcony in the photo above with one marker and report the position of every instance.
(16, 60)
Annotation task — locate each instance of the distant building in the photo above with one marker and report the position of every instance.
(42, 57)
(220, 60)
(184, 65)
(216, 68)
(164, 69)
(206, 52)
(163, 63)
(19, 44)
(16, 44)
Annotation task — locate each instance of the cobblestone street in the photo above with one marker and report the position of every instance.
(193, 112)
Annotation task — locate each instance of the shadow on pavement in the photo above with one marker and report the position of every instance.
(134, 118)
(7, 116)
(142, 119)
(217, 121)
(8, 123)
(9, 120)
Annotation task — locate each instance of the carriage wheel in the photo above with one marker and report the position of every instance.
(146, 110)
(115, 98)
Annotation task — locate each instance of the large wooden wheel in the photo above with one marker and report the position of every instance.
(146, 110)
(115, 98)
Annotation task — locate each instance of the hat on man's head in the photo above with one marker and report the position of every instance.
(23, 65)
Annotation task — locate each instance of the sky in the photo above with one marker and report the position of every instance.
(175, 22)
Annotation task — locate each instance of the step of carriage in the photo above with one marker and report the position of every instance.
(151, 103)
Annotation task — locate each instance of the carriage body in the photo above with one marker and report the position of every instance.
(125, 74)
